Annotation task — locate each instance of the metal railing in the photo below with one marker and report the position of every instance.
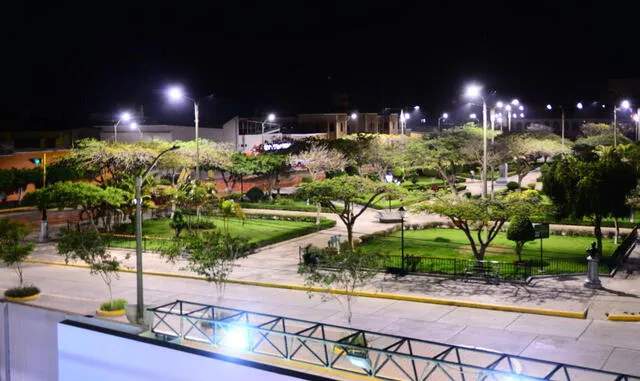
(622, 252)
(352, 351)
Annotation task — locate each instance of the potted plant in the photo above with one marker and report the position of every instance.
(89, 247)
(14, 249)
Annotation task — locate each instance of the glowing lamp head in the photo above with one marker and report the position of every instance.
(522, 115)
(635, 117)
(549, 107)
(271, 117)
(625, 104)
(499, 119)
(133, 125)
(499, 104)
(406, 116)
(445, 115)
(416, 108)
(579, 106)
(515, 102)
(175, 93)
(354, 116)
(473, 91)
(125, 116)
(508, 108)
(521, 107)
(473, 116)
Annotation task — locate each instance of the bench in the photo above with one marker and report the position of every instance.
(483, 270)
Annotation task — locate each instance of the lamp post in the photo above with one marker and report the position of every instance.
(443, 117)
(175, 94)
(475, 91)
(636, 118)
(623, 106)
(125, 116)
(138, 200)
(134, 126)
(270, 118)
(403, 213)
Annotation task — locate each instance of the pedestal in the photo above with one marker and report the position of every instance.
(44, 231)
(593, 273)
(504, 172)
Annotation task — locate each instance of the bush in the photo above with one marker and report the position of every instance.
(234, 196)
(531, 186)
(398, 173)
(255, 194)
(352, 171)
(336, 173)
(307, 179)
(512, 186)
(22, 292)
(373, 176)
(113, 305)
(178, 222)
(415, 177)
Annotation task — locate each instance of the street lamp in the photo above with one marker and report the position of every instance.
(416, 108)
(636, 118)
(124, 117)
(354, 116)
(625, 104)
(134, 126)
(403, 213)
(138, 201)
(175, 94)
(579, 106)
(508, 108)
(475, 91)
(270, 118)
(443, 117)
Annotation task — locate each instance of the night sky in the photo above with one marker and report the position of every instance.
(68, 61)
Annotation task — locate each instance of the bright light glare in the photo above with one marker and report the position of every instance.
(406, 116)
(521, 108)
(473, 91)
(625, 104)
(579, 105)
(515, 102)
(417, 108)
(125, 116)
(133, 125)
(175, 93)
(499, 104)
(636, 117)
(354, 116)
(548, 107)
(499, 119)
(522, 115)
(514, 115)
(236, 337)
(271, 117)
(508, 108)
(358, 362)
(445, 115)
(473, 116)
(603, 106)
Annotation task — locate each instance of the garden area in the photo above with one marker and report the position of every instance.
(257, 230)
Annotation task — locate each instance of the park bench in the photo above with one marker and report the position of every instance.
(485, 270)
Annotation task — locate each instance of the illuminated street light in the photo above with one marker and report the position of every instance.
(354, 116)
(549, 107)
(625, 104)
(175, 93)
(521, 107)
(475, 91)
(124, 117)
(515, 102)
(443, 117)
(579, 106)
(417, 108)
(473, 116)
(270, 118)
(499, 104)
(522, 115)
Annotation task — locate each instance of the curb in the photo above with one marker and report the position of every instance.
(406, 298)
(18, 209)
(615, 317)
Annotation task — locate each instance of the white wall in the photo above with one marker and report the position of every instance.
(85, 354)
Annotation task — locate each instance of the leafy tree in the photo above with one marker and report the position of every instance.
(14, 248)
(178, 222)
(230, 209)
(271, 166)
(210, 254)
(520, 231)
(383, 154)
(482, 219)
(89, 247)
(196, 195)
(525, 148)
(354, 148)
(595, 188)
(342, 194)
(239, 166)
(341, 275)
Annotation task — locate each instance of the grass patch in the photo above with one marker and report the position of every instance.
(283, 204)
(22, 292)
(259, 230)
(563, 253)
(113, 305)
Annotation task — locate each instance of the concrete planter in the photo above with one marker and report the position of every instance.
(389, 216)
(22, 299)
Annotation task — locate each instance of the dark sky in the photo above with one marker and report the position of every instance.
(67, 61)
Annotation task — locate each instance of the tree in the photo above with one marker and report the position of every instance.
(595, 187)
(383, 154)
(483, 218)
(235, 170)
(89, 247)
(14, 248)
(196, 195)
(210, 254)
(341, 273)
(524, 149)
(319, 159)
(354, 148)
(342, 194)
(271, 166)
(229, 209)
(520, 231)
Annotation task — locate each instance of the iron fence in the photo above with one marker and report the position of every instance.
(622, 252)
(325, 346)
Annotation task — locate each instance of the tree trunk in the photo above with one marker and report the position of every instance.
(615, 223)
(519, 245)
(597, 230)
(350, 234)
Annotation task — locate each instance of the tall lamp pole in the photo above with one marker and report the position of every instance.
(625, 104)
(403, 213)
(176, 94)
(443, 117)
(270, 118)
(139, 287)
(125, 116)
(475, 91)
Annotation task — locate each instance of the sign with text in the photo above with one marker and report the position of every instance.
(541, 230)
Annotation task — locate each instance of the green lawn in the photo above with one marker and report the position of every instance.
(282, 203)
(451, 243)
(259, 232)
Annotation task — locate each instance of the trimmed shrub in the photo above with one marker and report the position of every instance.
(178, 222)
(114, 305)
(531, 186)
(307, 179)
(22, 292)
(255, 194)
(513, 186)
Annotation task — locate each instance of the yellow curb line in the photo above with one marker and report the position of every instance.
(406, 298)
(623, 317)
(18, 209)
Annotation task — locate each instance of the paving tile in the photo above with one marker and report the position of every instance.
(549, 325)
(568, 351)
(479, 318)
(615, 333)
(624, 361)
(421, 329)
(493, 339)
